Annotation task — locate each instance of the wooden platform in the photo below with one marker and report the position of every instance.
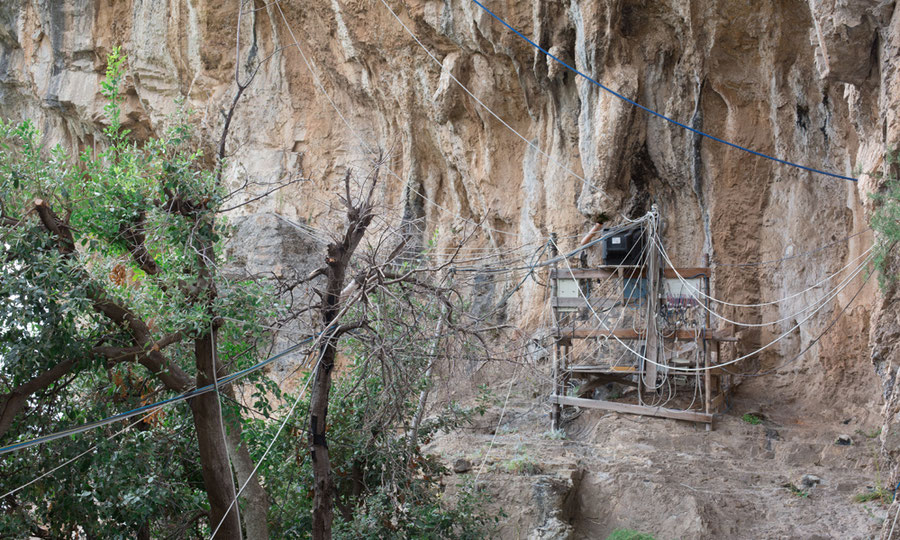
(571, 299)
(627, 408)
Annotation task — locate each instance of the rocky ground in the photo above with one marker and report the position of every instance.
(785, 477)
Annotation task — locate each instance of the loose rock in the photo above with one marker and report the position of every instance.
(462, 466)
(810, 481)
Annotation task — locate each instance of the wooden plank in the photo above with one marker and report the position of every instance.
(628, 408)
(555, 411)
(624, 370)
(603, 272)
(630, 333)
(686, 273)
(717, 402)
(581, 273)
(597, 303)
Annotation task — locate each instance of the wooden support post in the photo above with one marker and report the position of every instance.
(651, 350)
(556, 408)
(707, 374)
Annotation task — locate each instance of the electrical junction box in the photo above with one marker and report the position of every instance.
(624, 248)
(685, 292)
(567, 288)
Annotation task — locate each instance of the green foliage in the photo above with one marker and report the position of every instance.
(386, 487)
(522, 464)
(871, 434)
(554, 434)
(751, 419)
(794, 490)
(158, 195)
(880, 494)
(628, 534)
(885, 222)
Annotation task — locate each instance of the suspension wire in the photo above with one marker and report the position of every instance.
(318, 83)
(657, 114)
(734, 361)
(290, 413)
(793, 257)
(814, 341)
(697, 291)
(745, 324)
(86, 452)
(140, 410)
(488, 109)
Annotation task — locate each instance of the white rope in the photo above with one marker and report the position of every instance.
(290, 412)
(712, 312)
(88, 451)
(723, 302)
(359, 137)
(499, 421)
(269, 447)
(734, 361)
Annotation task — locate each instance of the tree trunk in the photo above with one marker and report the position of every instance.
(214, 463)
(323, 493)
(338, 259)
(256, 512)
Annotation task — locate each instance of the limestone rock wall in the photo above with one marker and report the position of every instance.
(812, 81)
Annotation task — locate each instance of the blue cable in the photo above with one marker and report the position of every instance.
(660, 115)
(134, 412)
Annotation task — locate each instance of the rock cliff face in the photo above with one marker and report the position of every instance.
(813, 82)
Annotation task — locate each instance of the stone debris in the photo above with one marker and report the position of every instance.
(809, 481)
(461, 466)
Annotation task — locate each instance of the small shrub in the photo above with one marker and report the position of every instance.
(522, 465)
(628, 534)
(802, 493)
(751, 419)
(880, 494)
(869, 435)
(554, 434)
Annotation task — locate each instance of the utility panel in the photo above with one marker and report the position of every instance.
(625, 248)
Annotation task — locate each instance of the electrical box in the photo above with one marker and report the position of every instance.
(567, 288)
(624, 248)
(683, 293)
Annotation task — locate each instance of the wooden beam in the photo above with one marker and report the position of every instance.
(627, 408)
(623, 370)
(591, 273)
(579, 302)
(603, 272)
(630, 333)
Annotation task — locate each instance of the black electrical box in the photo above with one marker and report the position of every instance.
(624, 248)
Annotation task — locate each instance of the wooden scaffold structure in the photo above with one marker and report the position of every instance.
(636, 322)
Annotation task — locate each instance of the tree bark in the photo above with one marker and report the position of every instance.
(256, 512)
(16, 398)
(214, 462)
(338, 259)
(323, 492)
